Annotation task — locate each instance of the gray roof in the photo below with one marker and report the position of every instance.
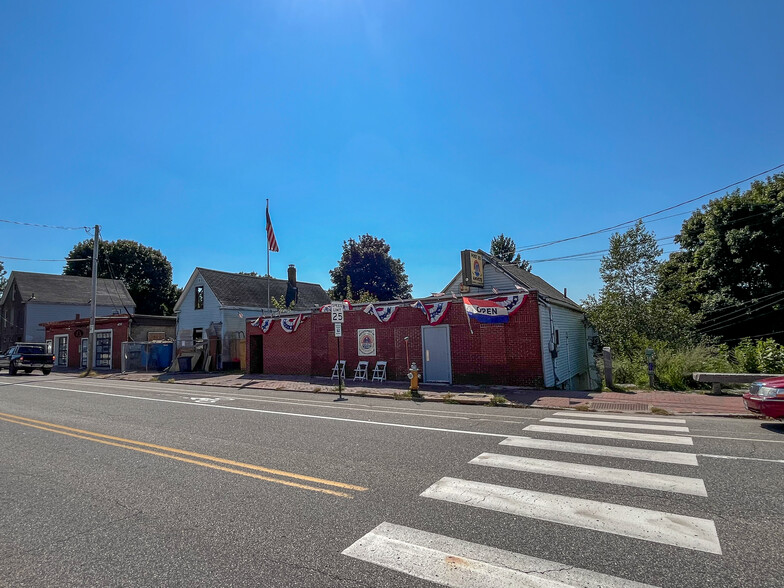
(59, 289)
(251, 291)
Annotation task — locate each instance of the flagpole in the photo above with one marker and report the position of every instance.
(266, 238)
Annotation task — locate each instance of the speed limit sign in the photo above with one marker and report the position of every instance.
(337, 312)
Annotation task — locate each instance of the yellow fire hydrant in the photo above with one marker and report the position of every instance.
(413, 375)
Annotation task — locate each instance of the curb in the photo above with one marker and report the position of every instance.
(452, 400)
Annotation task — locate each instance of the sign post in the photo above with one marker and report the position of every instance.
(649, 355)
(337, 318)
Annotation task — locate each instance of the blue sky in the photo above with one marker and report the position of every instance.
(434, 125)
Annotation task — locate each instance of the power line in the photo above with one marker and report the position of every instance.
(724, 315)
(28, 259)
(580, 255)
(674, 206)
(24, 224)
(732, 322)
(754, 336)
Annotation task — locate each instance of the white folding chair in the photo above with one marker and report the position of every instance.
(339, 371)
(360, 373)
(380, 371)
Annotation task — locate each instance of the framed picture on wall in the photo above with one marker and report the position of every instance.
(366, 342)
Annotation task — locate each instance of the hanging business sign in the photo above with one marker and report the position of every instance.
(473, 272)
(366, 342)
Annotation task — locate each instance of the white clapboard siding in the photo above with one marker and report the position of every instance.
(572, 360)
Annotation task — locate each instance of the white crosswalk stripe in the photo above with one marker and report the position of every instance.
(639, 523)
(649, 437)
(461, 564)
(603, 450)
(635, 479)
(617, 425)
(618, 417)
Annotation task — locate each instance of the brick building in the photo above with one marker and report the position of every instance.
(545, 343)
(500, 354)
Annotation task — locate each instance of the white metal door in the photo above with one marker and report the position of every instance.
(437, 356)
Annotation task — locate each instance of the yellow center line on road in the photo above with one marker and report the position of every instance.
(129, 444)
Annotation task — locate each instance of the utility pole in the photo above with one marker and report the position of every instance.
(93, 300)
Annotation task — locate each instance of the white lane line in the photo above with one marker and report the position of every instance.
(738, 439)
(603, 450)
(461, 564)
(592, 473)
(741, 457)
(649, 437)
(275, 412)
(613, 425)
(619, 417)
(629, 521)
(180, 390)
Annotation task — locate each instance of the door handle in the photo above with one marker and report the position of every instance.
(427, 355)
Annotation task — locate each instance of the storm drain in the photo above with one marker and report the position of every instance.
(621, 406)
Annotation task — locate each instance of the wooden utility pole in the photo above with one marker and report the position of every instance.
(93, 300)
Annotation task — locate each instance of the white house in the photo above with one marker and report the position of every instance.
(213, 306)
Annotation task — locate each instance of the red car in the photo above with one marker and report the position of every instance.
(766, 397)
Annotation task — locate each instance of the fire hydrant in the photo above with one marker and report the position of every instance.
(413, 375)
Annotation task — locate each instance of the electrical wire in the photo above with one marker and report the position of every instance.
(24, 224)
(754, 336)
(739, 311)
(114, 280)
(732, 322)
(674, 206)
(28, 259)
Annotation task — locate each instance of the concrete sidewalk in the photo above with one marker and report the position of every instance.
(693, 403)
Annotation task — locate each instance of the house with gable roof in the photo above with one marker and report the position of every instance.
(567, 359)
(213, 307)
(31, 299)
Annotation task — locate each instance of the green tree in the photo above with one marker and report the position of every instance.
(366, 270)
(504, 248)
(145, 271)
(629, 313)
(728, 269)
(631, 266)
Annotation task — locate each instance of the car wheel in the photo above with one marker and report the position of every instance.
(47, 371)
(12, 369)
(28, 370)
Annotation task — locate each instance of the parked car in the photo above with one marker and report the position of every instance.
(27, 357)
(766, 397)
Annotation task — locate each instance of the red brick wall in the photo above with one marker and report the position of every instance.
(500, 354)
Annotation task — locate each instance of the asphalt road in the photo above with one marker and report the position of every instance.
(109, 483)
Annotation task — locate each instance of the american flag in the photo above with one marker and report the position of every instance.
(272, 242)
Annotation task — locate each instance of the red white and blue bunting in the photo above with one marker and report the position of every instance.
(436, 312)
(383, 313)
(511, 303)
(290, 325)
(264, 324)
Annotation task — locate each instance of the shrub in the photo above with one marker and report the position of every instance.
(764, 356)
(675, 367)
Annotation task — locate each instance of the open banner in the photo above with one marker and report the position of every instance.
(485, 311)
